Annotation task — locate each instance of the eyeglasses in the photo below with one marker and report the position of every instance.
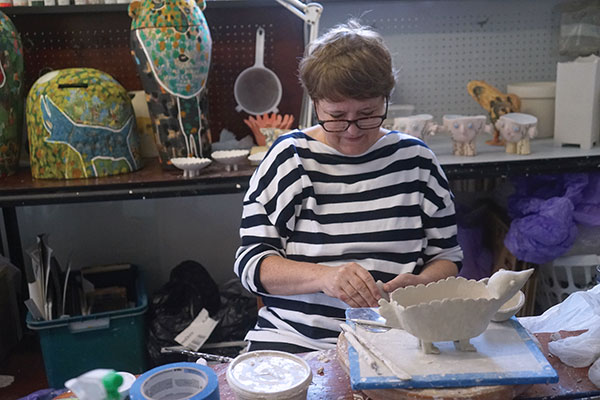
(340, 125)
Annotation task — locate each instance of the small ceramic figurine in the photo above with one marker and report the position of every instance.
(494, 102)
(420, 125)
(80, 124)
(516, 129)
(463, 130)
(171, 46)
(11, 96)
(452, 309)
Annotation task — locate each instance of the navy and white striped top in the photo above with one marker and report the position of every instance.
(389, 209)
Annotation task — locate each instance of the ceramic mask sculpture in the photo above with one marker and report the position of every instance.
(80, 124)
(463, 130)
(453, 309)
(11, 96)
(516, 129)
(171, 46)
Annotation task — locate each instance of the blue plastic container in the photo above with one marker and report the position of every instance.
(74, 345)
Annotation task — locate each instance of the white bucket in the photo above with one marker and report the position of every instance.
(537, 99)
(269, 375)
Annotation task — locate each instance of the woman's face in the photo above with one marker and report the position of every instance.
(353, 140)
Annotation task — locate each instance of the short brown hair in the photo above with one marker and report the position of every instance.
(349, 61)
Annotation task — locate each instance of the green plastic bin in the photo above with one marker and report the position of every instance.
(116, 339)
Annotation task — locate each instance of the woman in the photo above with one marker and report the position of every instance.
(337, 206)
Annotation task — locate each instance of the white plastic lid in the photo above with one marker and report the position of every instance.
(532, 89)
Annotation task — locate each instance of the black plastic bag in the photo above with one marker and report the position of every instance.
(175, 305)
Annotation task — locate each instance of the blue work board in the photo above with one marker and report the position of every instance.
(506, 355)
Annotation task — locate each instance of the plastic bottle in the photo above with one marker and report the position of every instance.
(98, 384)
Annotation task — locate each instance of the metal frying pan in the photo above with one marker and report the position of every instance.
(257, 89)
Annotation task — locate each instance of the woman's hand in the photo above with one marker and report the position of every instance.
(434, 271)
(403, 280)
(352, 284)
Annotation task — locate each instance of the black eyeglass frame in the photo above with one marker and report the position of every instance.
(353, 121)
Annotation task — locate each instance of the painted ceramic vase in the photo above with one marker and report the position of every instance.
(11, 96)
(80, 124)
(171, 46)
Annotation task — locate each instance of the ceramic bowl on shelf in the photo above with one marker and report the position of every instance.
(256, 158)
(190, 165)
(231, 158)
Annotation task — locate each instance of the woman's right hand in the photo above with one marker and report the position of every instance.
(352, 284)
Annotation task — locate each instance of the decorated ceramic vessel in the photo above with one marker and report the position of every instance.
(452, 309)
(420, 125)
(516, 129)
(80, 124)
(171, 46)
(463, 130)
(11, 96)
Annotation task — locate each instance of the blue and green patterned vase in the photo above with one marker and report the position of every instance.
(171, 46)
(11, 96)
(80, 124)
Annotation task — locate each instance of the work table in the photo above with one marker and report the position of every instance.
(330, 381)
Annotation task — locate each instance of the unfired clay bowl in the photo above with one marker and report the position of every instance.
(256, 158)
(231, 158)
(510, 308)
(190, 165)
(452, 309)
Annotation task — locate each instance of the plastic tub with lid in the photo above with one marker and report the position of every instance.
(269, 375)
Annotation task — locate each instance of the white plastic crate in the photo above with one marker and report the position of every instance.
(565, 275)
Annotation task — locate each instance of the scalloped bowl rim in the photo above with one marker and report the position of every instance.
(190, 163)
(257, 157)
(225, 154)
(230, 156)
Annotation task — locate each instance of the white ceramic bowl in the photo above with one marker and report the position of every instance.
(269, 375)
(231, 158)
(510, 308)
(190, 165)
(256, 158)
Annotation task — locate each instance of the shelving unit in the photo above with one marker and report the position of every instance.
(438, 46)
(97, 36)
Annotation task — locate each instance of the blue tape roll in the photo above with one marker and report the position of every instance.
(182, 380)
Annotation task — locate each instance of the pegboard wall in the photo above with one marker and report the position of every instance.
(100, 39)
(439, 46)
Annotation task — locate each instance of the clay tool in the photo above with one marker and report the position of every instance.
(394, 369)
(206, 356)
(364, 322)
(364, 353)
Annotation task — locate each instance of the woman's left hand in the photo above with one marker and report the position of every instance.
(403, 280)
(434, 271)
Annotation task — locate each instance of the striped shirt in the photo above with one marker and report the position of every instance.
(389, 210)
